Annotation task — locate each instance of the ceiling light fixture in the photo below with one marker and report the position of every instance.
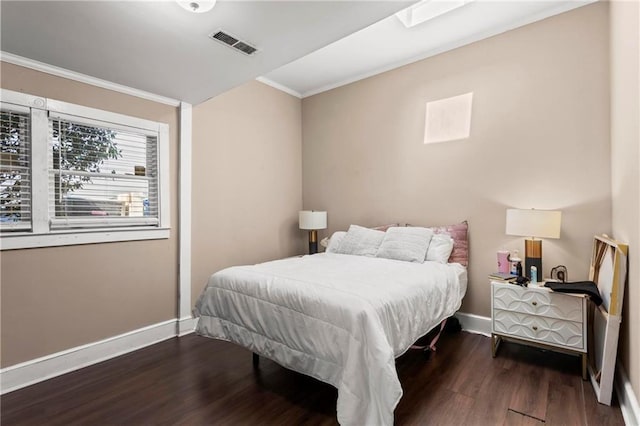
(427, 10)
(201, 6)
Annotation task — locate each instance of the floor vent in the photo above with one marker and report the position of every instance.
(233, 42)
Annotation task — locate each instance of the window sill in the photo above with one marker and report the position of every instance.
(76, 237)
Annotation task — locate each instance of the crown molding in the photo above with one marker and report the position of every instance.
(83, 78)
(279, 87)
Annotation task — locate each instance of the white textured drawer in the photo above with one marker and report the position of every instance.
(556, 332)
(537, 301)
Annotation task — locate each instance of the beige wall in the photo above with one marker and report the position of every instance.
(539, 138)
(625, 157)
(57, 298)
(247, 174)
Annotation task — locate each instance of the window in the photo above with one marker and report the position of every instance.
(15, 170)
(71, 174)
(101, 176)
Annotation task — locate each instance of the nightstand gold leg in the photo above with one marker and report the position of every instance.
(495, 342)
(584, 366)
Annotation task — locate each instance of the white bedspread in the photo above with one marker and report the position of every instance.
(339, 318)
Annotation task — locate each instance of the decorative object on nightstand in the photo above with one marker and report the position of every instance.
(312, 221)
(503, 261)
(534, 224)
(559, 273)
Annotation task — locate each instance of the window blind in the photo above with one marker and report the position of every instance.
(101, 175)
(15, 168)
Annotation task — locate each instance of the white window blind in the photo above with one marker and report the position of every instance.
(101, 174)
(15, 168)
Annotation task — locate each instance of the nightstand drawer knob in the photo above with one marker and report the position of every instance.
(534, 303)
(535, 328)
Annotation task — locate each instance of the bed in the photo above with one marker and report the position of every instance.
(340, 318)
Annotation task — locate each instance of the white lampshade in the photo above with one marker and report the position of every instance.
(534, 223)
(198, 6)
(310, 219)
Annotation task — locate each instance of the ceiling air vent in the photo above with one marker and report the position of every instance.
(244, 47)
(233, 42)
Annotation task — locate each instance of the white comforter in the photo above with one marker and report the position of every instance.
(339, 318)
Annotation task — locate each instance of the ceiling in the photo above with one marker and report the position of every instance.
(305, 47)
(158, 47)
(388, 44)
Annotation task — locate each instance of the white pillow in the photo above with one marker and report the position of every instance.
(405, 243)
(440, 248)
(360, 241)
(335, 240)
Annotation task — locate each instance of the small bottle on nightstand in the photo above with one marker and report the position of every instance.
(516, 264)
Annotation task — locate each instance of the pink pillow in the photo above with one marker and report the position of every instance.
(458, 232)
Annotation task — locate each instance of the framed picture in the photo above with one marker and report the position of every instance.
(609, 271)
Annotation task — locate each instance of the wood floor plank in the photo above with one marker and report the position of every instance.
(474, 369)
(597, 414)
(530, 398)
(492, 401)
(517, 419)
(453, 412)
(196, 381)
(564, 406)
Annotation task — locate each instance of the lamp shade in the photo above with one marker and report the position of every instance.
(310, 219)
(534, 223)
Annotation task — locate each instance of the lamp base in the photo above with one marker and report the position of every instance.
(533, 257)
(313, 241)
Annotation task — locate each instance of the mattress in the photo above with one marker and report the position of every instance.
(339, 318)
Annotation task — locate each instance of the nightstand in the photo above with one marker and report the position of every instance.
(537, 316)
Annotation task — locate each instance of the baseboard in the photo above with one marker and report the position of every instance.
(474, 323)
(626, 397)
(37, 370)
(186, 326)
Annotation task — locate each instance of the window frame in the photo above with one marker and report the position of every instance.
(41, 234)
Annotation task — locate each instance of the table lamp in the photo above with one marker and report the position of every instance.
(312, 221)
(534, 224)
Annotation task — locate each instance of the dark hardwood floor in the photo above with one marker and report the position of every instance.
(194, 380)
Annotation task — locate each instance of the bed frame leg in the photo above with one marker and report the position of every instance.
(256, 360)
